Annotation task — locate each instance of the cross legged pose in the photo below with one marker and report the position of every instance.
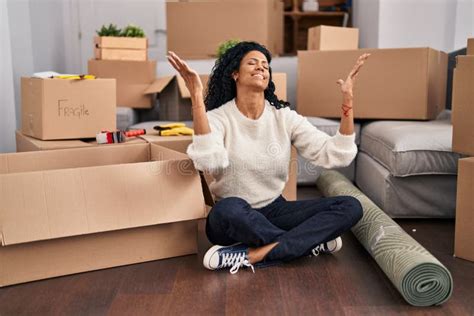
(243, 137)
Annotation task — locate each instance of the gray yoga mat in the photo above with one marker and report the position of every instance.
(418, 275)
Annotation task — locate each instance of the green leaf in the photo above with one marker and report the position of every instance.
(224, 46)
(132, 31)
(110, 30)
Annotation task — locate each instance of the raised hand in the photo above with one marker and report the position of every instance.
(348, 84)
(190, 76)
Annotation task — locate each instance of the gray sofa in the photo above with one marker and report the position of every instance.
(407, 167)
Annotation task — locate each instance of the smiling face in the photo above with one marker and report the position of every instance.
(254, 71)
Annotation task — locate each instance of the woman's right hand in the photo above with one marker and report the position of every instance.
(190, 76)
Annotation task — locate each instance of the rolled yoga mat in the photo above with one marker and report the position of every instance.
(418, 275)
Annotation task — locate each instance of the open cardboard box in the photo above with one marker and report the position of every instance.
(67, 109)
(120, 48)
(174, 97)
(395, 83)
(195, 28)
(133, 78)
(75, 210)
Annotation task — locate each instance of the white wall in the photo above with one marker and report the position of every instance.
(37, 40)
(408, 23)
(47, 35)
(366, 17)
(21, 46)
(440, 24)
(464, 23)
(91, 15)
(7, 93)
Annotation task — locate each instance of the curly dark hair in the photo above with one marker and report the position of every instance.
(222, 87)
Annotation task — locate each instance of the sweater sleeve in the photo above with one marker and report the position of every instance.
(207, 151)
(318, 147)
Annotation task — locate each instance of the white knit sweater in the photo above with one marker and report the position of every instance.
(250, 158)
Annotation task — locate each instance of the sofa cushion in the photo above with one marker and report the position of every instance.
(408, 148)
(432, 196)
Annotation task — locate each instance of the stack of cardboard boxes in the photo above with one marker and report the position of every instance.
(463, 142)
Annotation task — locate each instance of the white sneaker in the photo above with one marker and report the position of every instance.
(233, 257)
(327, 247)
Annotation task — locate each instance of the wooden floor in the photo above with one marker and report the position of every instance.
(347, 283)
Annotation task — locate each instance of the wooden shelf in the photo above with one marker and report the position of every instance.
(316, 14)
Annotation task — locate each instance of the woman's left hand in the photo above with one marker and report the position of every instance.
(347, 85)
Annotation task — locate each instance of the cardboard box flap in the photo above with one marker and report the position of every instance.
(73, 158)
(158, 85)
(183, 90)
(51, 204)
(159, 153)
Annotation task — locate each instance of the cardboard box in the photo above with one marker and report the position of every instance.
(464, 232)
(463, 105)
(181, 143)
(66, 109)
(75, 210)
(407, 83)
(25, 143)
(133, 78)
(196, 28)
(470, 46)
(332, 38)
(174, 97)
(120, 48)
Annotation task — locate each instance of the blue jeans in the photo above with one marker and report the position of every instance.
(297, 226)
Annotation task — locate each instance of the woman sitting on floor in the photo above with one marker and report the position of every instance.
(244, 140)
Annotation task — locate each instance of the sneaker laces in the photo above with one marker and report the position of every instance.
(317, 250)
(235, 261)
